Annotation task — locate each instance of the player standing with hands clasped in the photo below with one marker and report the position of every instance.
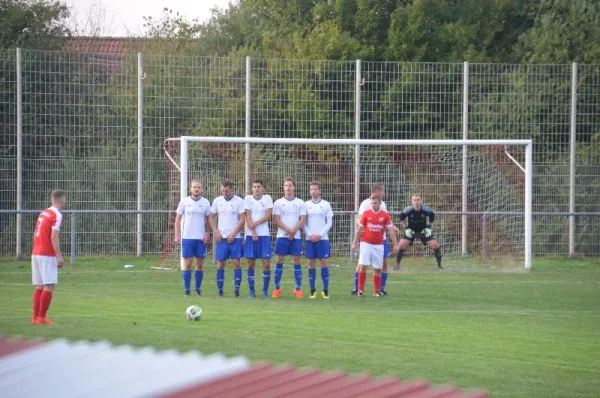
(417, 221)
(232, 217)
(46, 257)
(370, 231)
(192, 234)
(318, 223)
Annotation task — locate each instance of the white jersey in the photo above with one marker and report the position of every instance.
(366, 205)
(290, 211)
(319, 218)
(258, 208)
(194, 213)
(228, 212)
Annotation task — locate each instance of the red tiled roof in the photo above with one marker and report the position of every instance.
(101, 370)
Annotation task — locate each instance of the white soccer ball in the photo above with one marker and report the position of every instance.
(193, 313)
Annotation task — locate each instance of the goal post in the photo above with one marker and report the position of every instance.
(501, 186)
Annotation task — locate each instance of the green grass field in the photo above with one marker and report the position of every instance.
(533, 334)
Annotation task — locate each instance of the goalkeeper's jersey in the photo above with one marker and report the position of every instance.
(417, 219)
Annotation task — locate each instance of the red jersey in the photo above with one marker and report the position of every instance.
(375, 225)
(50, 219)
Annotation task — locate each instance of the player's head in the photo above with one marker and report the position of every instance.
(375, 202)
(196, 188)
(257, 188)
(416, 201)
(58, 198)
(227, 188)
(378, 189)
(315, 190)
(289, 186)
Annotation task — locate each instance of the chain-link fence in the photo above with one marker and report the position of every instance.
(82, 132)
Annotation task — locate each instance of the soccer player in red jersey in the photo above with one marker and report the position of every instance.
(46, 257)
(370, 232)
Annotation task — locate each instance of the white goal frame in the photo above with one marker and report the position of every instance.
(527, 168)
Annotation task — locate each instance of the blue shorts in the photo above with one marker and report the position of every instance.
(386, 248)
(259, 249)
(225, 251)
(193, 248)
(286, 247)
(320, 249)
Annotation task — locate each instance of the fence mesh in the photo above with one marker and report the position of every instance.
(80, 129)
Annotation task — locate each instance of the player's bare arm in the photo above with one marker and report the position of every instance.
(392, 232)
(177, 237)
(357, 235)
(206, 238)
(213, 225)
(280, 224)
(56, 245)
(237, 229)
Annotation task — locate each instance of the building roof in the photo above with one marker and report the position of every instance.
(84, 369)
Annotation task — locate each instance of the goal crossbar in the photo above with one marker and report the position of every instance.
(528, 168)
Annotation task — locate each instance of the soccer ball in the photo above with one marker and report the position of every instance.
(193, 313)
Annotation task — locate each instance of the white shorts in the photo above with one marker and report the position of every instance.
(44, 270)
(370, 255)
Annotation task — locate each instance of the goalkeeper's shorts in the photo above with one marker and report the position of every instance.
(418, 235)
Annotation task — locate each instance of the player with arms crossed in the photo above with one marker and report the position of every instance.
(259, 208)
(319, 221)
(232, 217)
(370, 232)
(418, 220)
(46, 257)
(289, 214)
(192, 234)
(378, 190)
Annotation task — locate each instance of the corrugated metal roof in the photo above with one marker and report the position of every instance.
(82, 369)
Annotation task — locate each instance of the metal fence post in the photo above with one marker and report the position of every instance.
(73, 239)
(572, 159)
(19, 226)
(248, 121)
(465, 160)
(140, 153)
(483, 238)
(358, 84)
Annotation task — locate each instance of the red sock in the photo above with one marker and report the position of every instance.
(45, 302)
(362, 278)
(37, 294)
(376, 283)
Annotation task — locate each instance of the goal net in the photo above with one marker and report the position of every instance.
(480, 190)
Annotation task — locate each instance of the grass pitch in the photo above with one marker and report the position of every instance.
(513, 334)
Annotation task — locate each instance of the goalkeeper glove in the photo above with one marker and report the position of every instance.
(427, 232)
(408, 232)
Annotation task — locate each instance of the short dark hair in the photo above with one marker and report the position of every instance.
(57, 194)
(377, 187)
(258, 182)
(290, 179)
(315, 182)
(227, 183)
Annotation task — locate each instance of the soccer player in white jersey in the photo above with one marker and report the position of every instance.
(259, 208)
(230, 210)
(379, 191)
(289, 214)
(192, 234)
(318, 223)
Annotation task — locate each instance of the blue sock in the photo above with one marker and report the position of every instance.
(383, 280)
(312, 275)
(278, 275)
(220, 279)
(198, 276)
(325, 277)
(237, 279)
(250, 277)
(355, 280)
(298, 275)
(266, 280)
(187, 280)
